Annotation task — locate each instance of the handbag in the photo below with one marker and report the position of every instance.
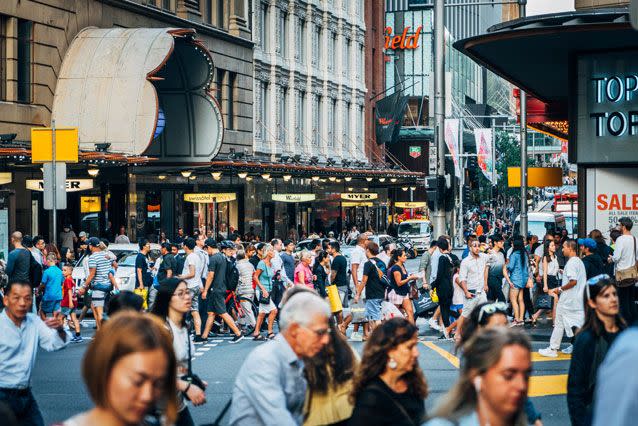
(190, 377)
(414, 291)
(334, 299)
(544, 301)
(628, 277)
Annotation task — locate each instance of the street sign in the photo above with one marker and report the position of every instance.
(66, 141)
(410, 204)
(432, 160)
(536, 176)
(60, 186)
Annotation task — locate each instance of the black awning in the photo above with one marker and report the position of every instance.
(533, 53)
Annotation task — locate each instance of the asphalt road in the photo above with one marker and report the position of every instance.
(60, 392)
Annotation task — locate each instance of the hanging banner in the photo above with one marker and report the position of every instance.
(452, 142)
(293, 198)
(359, 196)
(220, 197)
(483, 140)
(388, 117)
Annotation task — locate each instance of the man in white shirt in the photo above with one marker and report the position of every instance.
(358, 258)
(625, 255)
(278, 263)
(22, 332)
(203, 256)
(192, 275)
(570, 309)
(386, 254)
(473, 280)
(354, 233)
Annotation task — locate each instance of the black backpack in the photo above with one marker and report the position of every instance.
(232, 275)
(35, 271)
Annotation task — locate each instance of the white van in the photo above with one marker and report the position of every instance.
(418, 231)
(541, 223)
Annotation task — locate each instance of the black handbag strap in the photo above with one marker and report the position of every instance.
(396, 404)
(188, 342)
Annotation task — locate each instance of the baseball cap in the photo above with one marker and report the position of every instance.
(587, 242)
(82, 234)
(93, 242)
(210, 242)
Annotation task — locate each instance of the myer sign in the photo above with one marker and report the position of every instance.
(359, 196)
(72, 185)
(607, 108)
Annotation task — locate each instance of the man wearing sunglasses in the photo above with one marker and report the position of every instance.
(570, 314)
(473, 277)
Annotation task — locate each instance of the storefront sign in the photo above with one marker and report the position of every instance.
(612, 194)
(5, 177)
(359, 196)
(402, 41)
(607, 108)
(415, 151)
(293, 198)
(410, 204)
(90, 204)
(537, 177)
(220, 197)
(72, 185)
(357, 204)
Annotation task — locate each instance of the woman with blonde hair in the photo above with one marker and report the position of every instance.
(263, 281)
(130, 372)
(493, 382)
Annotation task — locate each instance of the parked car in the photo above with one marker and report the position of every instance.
(418, 231)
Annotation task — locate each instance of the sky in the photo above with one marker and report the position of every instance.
(540, 7)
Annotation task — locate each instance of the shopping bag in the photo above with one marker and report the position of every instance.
(143, 292)
(423, 304)
(358, 311)
(544, 301)
(334, 299)
(389, 311)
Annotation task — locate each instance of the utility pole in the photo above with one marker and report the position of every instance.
(439, 112)
(523, 133)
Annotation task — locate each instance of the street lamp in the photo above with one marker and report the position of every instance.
(249, 178)
(161, 177)
(382, 179)
(265, 176)
(287, 178)
(216, 175)
(192, 177)
(94, 172)
(347, 178)
(315, 178)
(393, 180)
(404, 188)
(332, 178)
(242, 175)
(369, 179)
(186, 173)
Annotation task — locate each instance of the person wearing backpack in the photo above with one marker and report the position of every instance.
(373, 281)
(214, 293)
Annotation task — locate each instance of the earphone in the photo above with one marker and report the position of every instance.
(478, 381)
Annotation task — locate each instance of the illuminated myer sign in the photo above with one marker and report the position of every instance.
(359, 196)
(615, 91)
(72, 185)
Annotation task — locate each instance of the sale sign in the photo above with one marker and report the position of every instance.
(615, 192)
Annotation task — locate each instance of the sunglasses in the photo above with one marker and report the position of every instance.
(594, 281)
(491, 309)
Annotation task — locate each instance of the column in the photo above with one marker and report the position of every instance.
(238, 21)
(189, 9)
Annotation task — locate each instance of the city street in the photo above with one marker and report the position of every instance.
(60, 392)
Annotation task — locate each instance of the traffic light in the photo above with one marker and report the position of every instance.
(466, 195)
(472, 172)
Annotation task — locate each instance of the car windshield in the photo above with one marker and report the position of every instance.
(127, 259)
(414, 228)
(536, 227)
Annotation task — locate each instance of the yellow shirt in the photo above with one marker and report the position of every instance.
(330, 407)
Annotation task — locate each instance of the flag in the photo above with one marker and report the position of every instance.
(483, 139)
(452, 142)
(388, 117)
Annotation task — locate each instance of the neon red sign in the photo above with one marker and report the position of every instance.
(402, 41)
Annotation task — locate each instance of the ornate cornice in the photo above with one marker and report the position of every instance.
(282, 77)
(262, 71)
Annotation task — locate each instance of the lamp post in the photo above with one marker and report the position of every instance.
(523, 134)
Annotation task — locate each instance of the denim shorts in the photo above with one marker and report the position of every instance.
(373, 309)
(50, 306)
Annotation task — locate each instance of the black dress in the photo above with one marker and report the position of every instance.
(378, 405)
(322, 277)
(445, 287)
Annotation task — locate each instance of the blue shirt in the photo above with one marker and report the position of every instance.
(615, 401)
(18, 348)
(270, 388)
(52, 280)
(518, 269)
(265, 278)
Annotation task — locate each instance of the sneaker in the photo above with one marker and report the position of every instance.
(237, 338)
(76, 339)
(434, 325)
(199, 339)
(568, 350)
(356, 337)
(548, 352)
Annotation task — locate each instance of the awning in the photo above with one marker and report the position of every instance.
(534, 53)
(114, 80)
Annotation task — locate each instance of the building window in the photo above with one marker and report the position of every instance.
(207, 10)
(230, 100)
(167, 5)
(333, 44)
(3, 56)
(361, 126)
(346, 58)
(219, 87)
(346, 123)
(316, 121)
(300, 36)
(263, 27)
(283, 17)
(301, 101)
(332, 124)
(220, 14)
(282, 128)
(263, 112)
(316, 46)
(25, 35)
(360, 69)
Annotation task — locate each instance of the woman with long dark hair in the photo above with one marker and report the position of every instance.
(517, 275)
(549, 273)
(603, 324)
(389, 387)
(329, 375)
(401, 283)
(320, 273)
(443, 284)
(172, 303)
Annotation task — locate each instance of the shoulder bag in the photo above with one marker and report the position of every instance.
(189, 376)
(396, 404)
(628, 277)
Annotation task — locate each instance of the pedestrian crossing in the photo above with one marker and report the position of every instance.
(202, 348)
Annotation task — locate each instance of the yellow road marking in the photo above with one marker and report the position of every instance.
(538, 385)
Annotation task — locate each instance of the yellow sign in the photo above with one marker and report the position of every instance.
(536, 176)
(66, 144)
(5, 177)
(72, 185)
(357, 204)
(410, 204)
(293, 198)
(359, 196)
(220, 197)
(90, 204)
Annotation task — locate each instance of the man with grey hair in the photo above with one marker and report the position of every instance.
(270, 387)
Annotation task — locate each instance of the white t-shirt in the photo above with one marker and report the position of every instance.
(458, 298)
(539, 250)
(193, 259)
(552, 267)
(473, 271)
(623, 256)
(203, 262)
(572, 299)
(434, 261)
(383, 256)
(358, 257)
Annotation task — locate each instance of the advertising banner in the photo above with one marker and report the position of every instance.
(452, 142)
(483, 140)
(388, 116)
(611, 194)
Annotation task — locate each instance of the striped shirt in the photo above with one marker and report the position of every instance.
(102, 265)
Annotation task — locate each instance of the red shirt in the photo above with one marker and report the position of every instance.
(67, 285)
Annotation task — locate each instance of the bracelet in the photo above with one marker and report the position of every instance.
(187, 387)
